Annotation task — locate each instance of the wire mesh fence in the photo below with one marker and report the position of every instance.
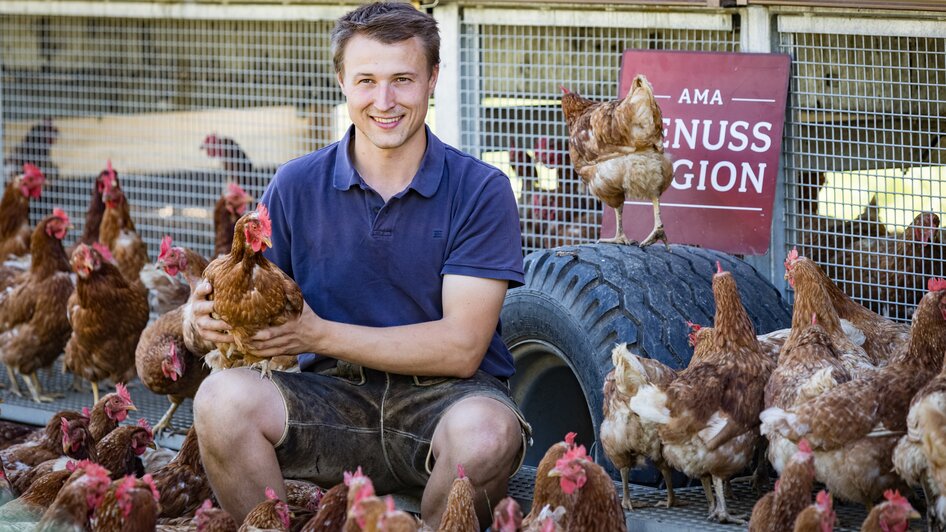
(147, 94)
(511, 114)
(864, 148)
(864, 166)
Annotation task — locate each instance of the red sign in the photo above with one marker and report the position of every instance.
(723, 117)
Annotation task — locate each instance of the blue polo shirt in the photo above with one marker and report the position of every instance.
(362, 261)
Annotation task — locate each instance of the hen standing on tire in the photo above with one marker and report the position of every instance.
(617, 149)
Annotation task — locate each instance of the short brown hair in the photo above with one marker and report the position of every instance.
(388, 22)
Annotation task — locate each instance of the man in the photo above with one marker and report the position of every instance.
(403, 248)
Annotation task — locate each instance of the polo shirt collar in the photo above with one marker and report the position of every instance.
(425, 182)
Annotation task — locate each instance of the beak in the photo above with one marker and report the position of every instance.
(131, 408)
(267, 241)
(914, 514)
(555, 472)
(153, 445)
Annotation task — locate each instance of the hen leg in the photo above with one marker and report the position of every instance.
(626, 501)
(657, 233)
(708, 491)
(671, 498)
(619, 236)
(165, 421)
(39, 387)
(720, 513)
(14, 385)
(32, 382)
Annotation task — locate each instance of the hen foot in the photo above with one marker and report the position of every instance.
(619, 239)
(655, 235)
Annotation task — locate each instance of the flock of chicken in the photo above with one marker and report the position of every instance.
(844, 396)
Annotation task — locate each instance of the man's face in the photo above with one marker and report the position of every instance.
(387, 87)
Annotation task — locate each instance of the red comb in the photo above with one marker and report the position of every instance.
(804, 446)
(71, 466)
(208, 504)
(389, 504)
(264, 220)
(823, 499)
(86, 413)
(895, 498)
(122, 392)
(271, 494)
(32, 170)
(348, 477)
(61, 214)
(103, 251)
(694, 326)
(719, 267)
(143, 423)
(570, 438)
(935, 285)
(165, 246)
(235, 189)
(814, 318)
(564, 90)
(460, 472)
(64, 425)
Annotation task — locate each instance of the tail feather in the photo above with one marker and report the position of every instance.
(817, 384)
(931, 421)
(651, 405)
(630, 374)
(777, 421)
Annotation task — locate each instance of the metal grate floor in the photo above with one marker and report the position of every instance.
(152, 407)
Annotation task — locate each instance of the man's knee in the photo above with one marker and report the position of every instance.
(486, 431)
(233, 398)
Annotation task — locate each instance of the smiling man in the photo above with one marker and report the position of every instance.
(404, 248)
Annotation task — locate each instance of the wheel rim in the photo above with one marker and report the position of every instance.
(548, 392)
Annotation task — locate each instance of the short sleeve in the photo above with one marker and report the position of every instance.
(487, 242)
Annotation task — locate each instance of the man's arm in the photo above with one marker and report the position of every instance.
(452, 346)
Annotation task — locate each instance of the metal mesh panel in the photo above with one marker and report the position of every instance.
(865, 156)
(145, 93)
(511, 115)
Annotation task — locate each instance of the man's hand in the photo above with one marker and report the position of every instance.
(208, 328)
(291, 338)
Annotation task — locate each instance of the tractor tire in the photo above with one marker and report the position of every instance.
(579, 301)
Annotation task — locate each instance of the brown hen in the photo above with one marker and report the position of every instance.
(231, 205)
(460, 512)
(15, 211)
(183, 482)
(118, 233)
(120, 450)
(590, 500)
(271, 514)
(76, 501)
(107, 314)
(628, 441)
(617, 149)
(854, 426)
(34, 327)
(129, 505)
(251, 293)
(879, 270)
(818, 517)
(778, 509)
(882, 337)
